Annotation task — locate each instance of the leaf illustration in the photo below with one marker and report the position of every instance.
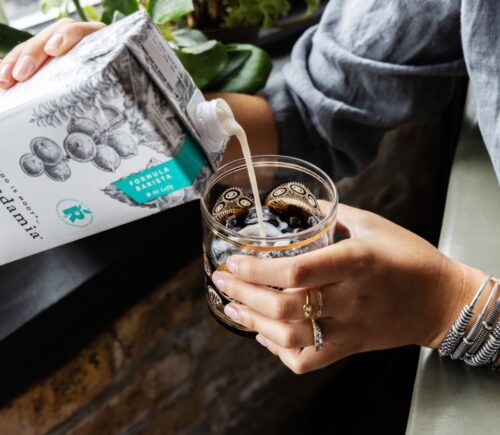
(78, 100)
(157, 146)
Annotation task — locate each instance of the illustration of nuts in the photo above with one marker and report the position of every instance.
(47, 150)
(123, 143)
(110, 112)
(80, 147)
(109, 117)
(83, 125)
(59, 172)
(31, 165)
(106, 159)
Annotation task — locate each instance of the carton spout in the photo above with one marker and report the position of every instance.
(225, 117)
(214, 121)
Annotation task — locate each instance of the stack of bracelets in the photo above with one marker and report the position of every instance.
(481, 345)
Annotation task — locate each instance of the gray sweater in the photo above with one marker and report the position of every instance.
(372, 65)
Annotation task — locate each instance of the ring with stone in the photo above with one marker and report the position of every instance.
(318, 335)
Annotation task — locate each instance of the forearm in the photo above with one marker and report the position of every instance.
(255, 116)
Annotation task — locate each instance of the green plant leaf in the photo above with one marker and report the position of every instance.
(10, 37)
(312, 5)
(255, 12)
(47, 5)
(164, 11)
(166, 31)
(80, 10)
(92, 13)
(188, 37)
(252, 76)
(204, 61)
(125, 7)
(117, 16)
(60, 5)
(236, 59)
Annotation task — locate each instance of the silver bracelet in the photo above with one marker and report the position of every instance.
(458, 328)
(496, 364)
(488, 351)
(487, 326)
(472, 337)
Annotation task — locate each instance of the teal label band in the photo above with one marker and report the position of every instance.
(178, 173)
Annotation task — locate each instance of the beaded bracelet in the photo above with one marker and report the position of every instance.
(481, 345)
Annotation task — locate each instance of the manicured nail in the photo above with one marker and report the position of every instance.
(231, 311)
(261, 340)
(24, 68)
(232, 265)
(5, 72)
(218, 280)
(55, 42)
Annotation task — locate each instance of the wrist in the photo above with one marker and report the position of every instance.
(457, 285)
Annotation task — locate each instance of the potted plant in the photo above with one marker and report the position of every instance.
(214, 65)
(240, 20)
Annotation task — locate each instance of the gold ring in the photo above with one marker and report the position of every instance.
(320, 305)
(307, 306)
(317, 335)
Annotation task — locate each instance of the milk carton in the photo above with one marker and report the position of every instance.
(112, 132)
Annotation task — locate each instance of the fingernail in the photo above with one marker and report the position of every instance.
(24, 68)
(5, 72)
(54, 42)
(261, 340)
(232, 265)
(218, 280)
(231, 311)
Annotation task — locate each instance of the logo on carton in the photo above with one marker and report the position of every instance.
(74, 213)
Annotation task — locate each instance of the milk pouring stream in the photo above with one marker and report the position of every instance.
(114, 131)
(225, 122)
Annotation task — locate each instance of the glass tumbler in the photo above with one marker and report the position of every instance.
(300, 207)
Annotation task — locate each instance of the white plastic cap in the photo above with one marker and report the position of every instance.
(214, 120)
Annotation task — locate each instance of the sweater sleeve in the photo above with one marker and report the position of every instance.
(481, 43)
(368, 67)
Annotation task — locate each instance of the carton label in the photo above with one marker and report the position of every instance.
(166, 178)
(75, 213)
